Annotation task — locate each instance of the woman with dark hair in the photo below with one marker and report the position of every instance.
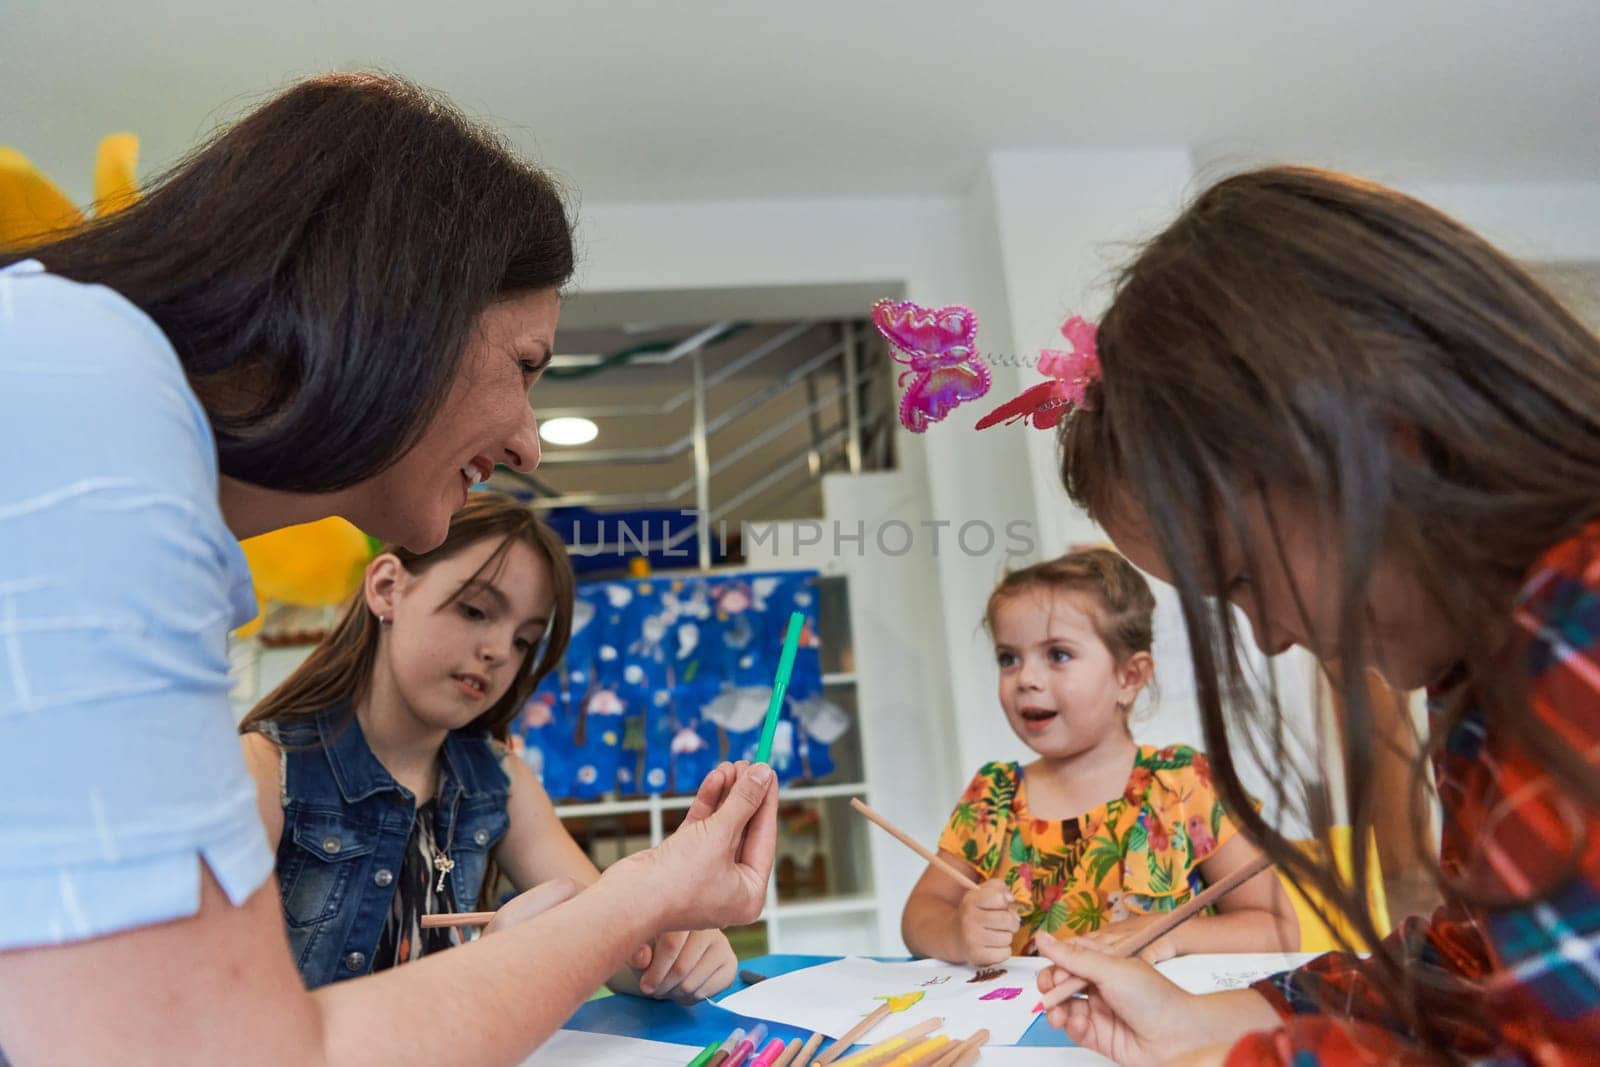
(337, 307)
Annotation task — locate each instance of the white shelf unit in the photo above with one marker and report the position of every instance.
(842, 921)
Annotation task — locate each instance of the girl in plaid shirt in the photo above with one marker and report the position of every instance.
(1333, 407)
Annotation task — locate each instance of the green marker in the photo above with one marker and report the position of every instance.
(791, 641)
(705, 1054)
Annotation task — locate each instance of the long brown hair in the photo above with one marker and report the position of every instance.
(318, 267)
(1281, 334)
(340, 668)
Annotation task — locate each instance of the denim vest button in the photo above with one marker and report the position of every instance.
(330, 845)
(481, 836)
(354, 961)
(383, 877)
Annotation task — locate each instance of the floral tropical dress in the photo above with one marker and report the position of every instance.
(1136, 854)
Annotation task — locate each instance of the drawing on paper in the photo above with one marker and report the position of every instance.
(1005, 992)
(986, 974)
(900, 1003)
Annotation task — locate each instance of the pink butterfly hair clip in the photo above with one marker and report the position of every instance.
(938, 345)
(1066, 388)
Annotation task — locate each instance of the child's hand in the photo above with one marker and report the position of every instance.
(525, 905)
(686, 966)
(1110, 939)
(988, 922)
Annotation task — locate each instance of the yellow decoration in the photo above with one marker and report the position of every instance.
(1317, 936)
(33, 208)
(314, 564)
(116, 179)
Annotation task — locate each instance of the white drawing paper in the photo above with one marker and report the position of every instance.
(833, 997)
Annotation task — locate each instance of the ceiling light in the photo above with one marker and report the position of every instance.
(568, 431)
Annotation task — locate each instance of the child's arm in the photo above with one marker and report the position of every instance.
(944, 920)
(1256, 917)
(682, 965)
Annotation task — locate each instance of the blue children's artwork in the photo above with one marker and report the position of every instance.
(666, 676)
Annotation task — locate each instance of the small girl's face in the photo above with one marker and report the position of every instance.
(450, 660)
(1059, 684)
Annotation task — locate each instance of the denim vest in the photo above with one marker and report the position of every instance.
(346, 822)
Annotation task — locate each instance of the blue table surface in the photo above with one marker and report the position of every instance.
(660, 1020)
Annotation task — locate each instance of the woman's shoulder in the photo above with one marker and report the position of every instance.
(1558, 612)
(39, 309)
(74, 355)
(1566, 577)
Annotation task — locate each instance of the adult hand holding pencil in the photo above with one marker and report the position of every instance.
(1133, 1013)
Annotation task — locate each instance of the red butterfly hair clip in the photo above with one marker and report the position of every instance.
(1066, 388)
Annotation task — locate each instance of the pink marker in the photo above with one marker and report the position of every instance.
(745, 1049)
(767, 1055)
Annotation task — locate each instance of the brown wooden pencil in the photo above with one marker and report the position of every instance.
(808, 1050)
(1163, 926)
(460, 918)
(852, 1035)
(951, 1055)
(790, 1051)
(916, 846)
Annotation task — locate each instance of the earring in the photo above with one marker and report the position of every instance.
(384, 620)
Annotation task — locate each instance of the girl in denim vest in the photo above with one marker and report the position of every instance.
(384, 780)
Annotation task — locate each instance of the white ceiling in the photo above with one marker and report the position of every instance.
(696, 100)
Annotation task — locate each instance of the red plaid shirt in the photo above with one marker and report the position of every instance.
(1507, 830)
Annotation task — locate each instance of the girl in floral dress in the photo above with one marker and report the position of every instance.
(1097, 836)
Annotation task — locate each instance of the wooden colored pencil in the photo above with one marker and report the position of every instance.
(808, 1050)
(878, 1053)
(950, 1055)
(1163, 926)
(787, 1056)
(852, 1035)
(924, 1051)
(459, 918)
(892, 1045)
(916, 846)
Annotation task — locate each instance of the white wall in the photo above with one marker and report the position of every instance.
(1539, 221)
